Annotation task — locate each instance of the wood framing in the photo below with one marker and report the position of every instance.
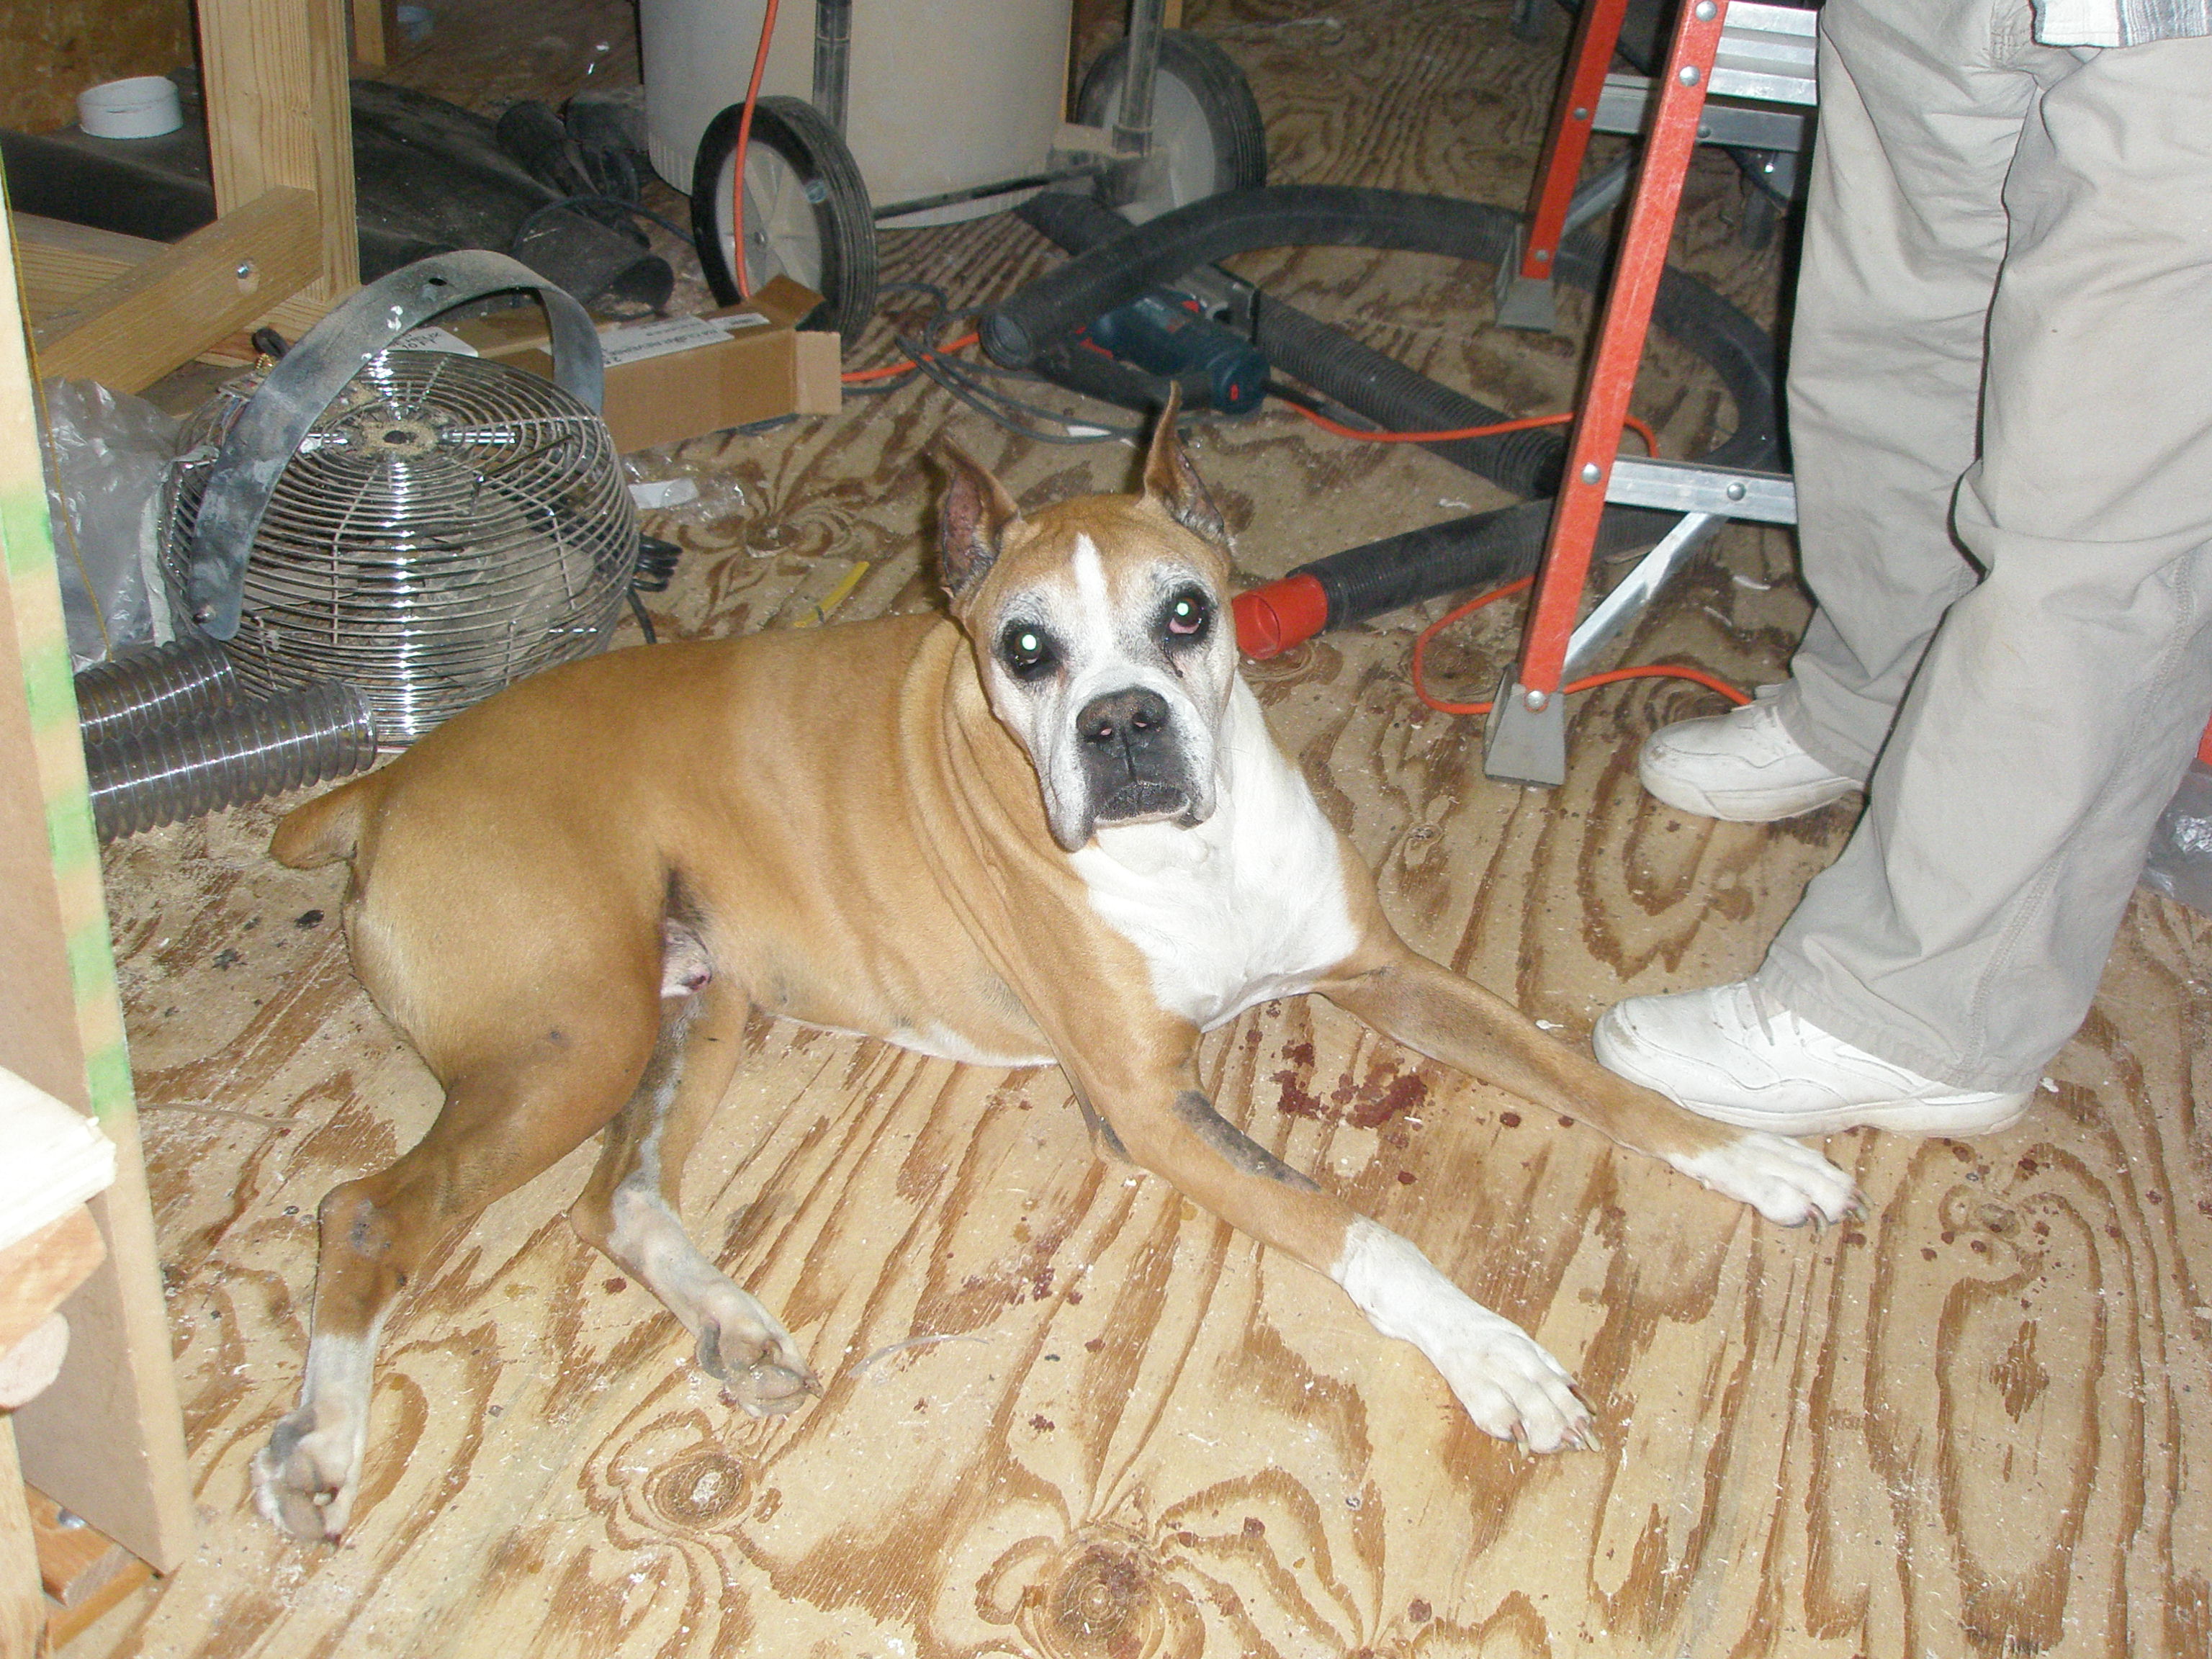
(107, 1439)
(23, 1605)
(37, 1273)
(280, 115)
(378, 39)
(285, 247)
(168, 308)
(63, 264)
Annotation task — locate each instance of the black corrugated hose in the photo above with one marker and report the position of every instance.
(1114, 262)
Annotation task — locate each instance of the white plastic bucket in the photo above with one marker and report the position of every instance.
(941, 95)
(144, 106)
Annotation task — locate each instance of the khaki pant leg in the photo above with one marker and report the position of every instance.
(1964, 930)
(1921, 107)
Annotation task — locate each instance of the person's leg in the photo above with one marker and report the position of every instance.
(1921, 107)
(1920, 115)
(1964, 930)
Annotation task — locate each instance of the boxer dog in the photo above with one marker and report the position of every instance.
(1050, 828)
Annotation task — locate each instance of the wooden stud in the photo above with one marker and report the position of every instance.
(38, 1273)
(23, 1608)
(371, 36)
(280, 114)
(82, 1571)
(107, 1438)
(63, 263)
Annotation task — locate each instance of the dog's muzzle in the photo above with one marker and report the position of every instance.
(1133, 769)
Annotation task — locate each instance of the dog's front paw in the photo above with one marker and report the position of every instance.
(306, 1478)
(1509, 1385)
(1782, 1180)
(1513, 1389)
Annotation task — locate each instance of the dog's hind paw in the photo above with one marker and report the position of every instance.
(306, 1478)
(761, 1370)
(1784, 1181)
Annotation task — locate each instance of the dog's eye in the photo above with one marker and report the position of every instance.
(1027, 651)
(1189, 615)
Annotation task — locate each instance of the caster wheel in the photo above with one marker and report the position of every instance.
(807, 215)
(1205, 121)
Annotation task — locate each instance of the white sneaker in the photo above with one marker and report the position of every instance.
(1740, 766)
(1733, 1053)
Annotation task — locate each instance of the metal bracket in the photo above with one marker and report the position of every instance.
(1688, 486)
(1080, 146)
(1528, 302)
(281, 414)
(1767, 52)
(1636, 590)
(1525, 302)
(1625, 106)
(1521, 743)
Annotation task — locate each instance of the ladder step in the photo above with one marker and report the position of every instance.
(1687, 487)
(1767, 52)
(1625, 106)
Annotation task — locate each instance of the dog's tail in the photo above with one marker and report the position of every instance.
(328, 828)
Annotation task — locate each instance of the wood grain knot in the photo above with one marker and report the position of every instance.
(1091, 1598)
(698, 1490)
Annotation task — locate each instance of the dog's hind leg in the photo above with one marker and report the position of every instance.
(1437, 1012)
(628, 1208)
(503, 1122)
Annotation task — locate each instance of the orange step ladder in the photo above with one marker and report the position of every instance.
(1754, 52)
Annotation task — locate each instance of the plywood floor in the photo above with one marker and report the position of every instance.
(1066, 1415)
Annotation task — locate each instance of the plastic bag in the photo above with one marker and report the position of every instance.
(681, 491)
(2179, 863)
(107, 455)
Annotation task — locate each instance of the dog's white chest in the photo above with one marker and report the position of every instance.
(1248, 906)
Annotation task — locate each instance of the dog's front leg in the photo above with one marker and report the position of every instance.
(1437, 1012)
(1159, 1115)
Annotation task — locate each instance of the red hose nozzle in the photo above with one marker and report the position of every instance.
(1285, 612)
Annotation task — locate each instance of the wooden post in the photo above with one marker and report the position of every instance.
(22, 1605)
(107, 1439)
(279, 113)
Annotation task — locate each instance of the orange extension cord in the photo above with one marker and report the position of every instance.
(738, 171)
(859, 375)
(1656, 672)
(1650, 438)
(1421, 644)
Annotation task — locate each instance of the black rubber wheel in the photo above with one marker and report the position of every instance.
(807, 215)
(1205, 120)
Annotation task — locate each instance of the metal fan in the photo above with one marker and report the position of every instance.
(425, 526)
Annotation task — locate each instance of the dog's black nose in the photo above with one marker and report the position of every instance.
(1122, 716)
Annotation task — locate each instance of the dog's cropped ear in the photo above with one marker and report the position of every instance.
(971, 521)
(1171, 480)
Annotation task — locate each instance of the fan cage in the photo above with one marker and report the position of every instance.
(449, 526)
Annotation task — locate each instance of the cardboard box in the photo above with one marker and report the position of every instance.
(677, 377)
